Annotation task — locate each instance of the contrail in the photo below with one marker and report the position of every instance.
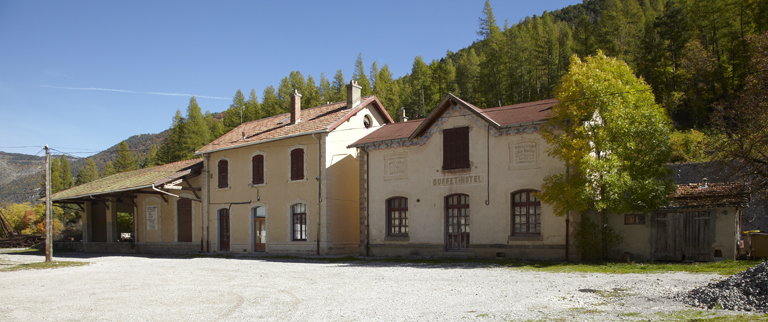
(131, 92)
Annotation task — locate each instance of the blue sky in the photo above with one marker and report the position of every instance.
(81, 76)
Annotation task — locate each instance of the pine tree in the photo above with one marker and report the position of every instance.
(359, 76)
(171, 148)
(271, 104)
(325, 89)
(109, 170)
(197, 132)
(234, 114)
(88, 173)
(372, 76)
(338, 88)
(125, 161)
(252, 109)
(66, 173)
(311, 96)
(467, 74)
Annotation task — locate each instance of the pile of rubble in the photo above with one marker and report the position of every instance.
(745, 291)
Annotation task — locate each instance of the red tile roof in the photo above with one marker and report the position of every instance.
(313, 120)
(713, 195)
(390, 132)
(498, 117)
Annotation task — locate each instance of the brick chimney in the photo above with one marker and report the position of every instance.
(353, 94)
(295, 107)
(403, 117)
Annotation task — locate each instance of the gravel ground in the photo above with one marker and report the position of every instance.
(156, 288)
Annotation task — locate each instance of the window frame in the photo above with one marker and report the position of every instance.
(297, 171)
(634, 219)
(536, 203)
(401, 228)
(300, 219)
(456, 148)
(222, 176)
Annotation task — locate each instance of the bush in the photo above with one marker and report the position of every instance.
(590, 236)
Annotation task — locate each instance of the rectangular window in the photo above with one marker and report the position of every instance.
(297, 164)
(397, 217)
(258, 169)
(634, 219)
(299, 220)
(456, 148)
(223, 173)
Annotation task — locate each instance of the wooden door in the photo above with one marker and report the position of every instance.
(98, 222)
(696, 243)
(457, 222)
(683, 236)
(184, 209)
(224, 230)
(260, 234)
(664, 241)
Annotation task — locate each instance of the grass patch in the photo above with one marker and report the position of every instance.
(710, 316)
(614, 293)
(30, 251)
(728, 267)
(44, 265)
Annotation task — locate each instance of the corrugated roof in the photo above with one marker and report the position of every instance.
(498, 117)
(313, 120)
(132, 180)
(712, 195)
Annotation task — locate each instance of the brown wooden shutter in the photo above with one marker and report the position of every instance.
(184, 208)
(297, 164)
(258, 169)
(223, 173)
(456, 148)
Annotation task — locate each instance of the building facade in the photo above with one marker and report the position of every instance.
(461, 182)
(288, 183)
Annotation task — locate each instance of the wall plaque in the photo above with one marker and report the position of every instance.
(396, 166)
(525, 153)
(151, 217)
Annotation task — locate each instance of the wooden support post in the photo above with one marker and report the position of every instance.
(48, 216)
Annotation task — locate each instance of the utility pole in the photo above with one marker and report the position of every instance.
(48, 219)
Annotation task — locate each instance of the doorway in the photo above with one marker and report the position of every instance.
(224, 230)
(259, 229)
(683, 236)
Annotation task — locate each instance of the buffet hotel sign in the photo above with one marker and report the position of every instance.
(458, 180)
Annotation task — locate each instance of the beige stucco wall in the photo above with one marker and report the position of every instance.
(167, 215)
(339, 212)
(490, 224)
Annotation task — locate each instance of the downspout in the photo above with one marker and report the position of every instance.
(567, 217)
(319, 188)
(367, 203)
(206, 203)
(488, 165)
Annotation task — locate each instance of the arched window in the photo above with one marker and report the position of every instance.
(526, 213)
(299, 222)
(397, 217)
(223, 173)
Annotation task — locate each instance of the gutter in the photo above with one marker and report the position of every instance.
(367, 203)
(319, 188)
